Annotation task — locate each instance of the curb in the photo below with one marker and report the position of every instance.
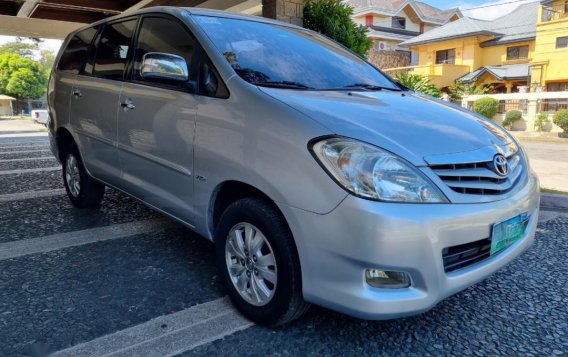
(554, 201)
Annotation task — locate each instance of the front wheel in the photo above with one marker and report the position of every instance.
(259, 263)
(83, 191)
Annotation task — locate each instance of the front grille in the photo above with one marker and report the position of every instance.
(479, 178)
(461, 256)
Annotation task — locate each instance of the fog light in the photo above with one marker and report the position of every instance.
(387, 279)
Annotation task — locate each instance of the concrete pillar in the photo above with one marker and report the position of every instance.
(532, 110)
(509, 87)
(284, 10)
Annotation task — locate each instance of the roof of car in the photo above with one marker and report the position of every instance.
(177, 10)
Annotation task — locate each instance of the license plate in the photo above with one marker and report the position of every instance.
(508, 232)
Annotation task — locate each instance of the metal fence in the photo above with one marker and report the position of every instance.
(553, 105)
(513, 104)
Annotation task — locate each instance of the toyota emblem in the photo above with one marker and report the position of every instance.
(501, 165)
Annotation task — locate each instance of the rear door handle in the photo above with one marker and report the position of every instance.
(127, 104)
(77, 93)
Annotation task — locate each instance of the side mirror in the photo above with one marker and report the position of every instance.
(157, 65)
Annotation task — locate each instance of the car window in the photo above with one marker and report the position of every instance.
(267, 54)
(112, 49)
(76, 51)
(158, 34)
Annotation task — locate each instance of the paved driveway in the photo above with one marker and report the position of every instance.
(125, 279)
(550, 161)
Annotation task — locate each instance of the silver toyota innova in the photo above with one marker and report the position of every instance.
(319, 179)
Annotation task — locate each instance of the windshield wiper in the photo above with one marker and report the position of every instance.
(369, 87)
(282, 84)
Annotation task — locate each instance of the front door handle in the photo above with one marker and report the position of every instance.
(77, 93)
(127, 104)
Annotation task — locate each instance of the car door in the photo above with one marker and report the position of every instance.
(157, 122)
(62, 79)
(95, 99)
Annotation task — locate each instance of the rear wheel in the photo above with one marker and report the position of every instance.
(259, 264)
(83, 191)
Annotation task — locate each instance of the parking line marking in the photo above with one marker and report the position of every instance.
(30, 194)
(167, 335)
(29, 171)
(30, 159)
(58, 241)
(23, 151)
(24, 135)
(24, 146)
(29, 140)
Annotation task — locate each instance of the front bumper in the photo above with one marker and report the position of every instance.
(336, 248)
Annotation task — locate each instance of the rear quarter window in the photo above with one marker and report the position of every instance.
(76, 51)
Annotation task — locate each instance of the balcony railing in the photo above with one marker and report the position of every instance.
(553, 13)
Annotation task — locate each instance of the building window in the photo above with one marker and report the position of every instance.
(398, 22)
(557, 87)
(562, 42)
(369, 20)
(446, 56)
(517, 52)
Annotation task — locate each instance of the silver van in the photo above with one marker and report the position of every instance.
(319, 179)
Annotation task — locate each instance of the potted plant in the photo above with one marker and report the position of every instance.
(561, 119)
(514, 120)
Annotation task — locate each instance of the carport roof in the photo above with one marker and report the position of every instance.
(56, 18)
(82, 11)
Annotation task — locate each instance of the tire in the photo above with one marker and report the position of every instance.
(284, 301)
(82, 190)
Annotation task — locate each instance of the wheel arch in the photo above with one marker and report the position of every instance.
(64, 140)
(228, 192)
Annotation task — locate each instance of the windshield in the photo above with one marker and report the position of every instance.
(273, 55)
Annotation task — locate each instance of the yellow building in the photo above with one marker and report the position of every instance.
(549, 64)
(527, 47)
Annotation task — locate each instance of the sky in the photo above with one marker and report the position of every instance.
(481, 9)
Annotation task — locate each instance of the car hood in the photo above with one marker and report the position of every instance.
(408, 124)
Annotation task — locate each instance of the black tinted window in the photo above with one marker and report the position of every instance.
(112, 49)
(76, 51)
(165, 36)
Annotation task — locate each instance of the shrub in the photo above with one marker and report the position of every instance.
(418, 83)
(333, 19)
(486, 107)
(511, 117)
(540, 121)
(561, 119)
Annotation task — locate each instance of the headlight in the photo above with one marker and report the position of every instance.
(370, 172)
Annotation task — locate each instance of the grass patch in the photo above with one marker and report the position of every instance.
(556, 192)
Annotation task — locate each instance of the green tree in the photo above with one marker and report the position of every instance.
(23, 49)
(418, 83)
(21, 77)
(46, 58)
(333, 19)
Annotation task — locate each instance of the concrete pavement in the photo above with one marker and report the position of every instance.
(550, 161)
